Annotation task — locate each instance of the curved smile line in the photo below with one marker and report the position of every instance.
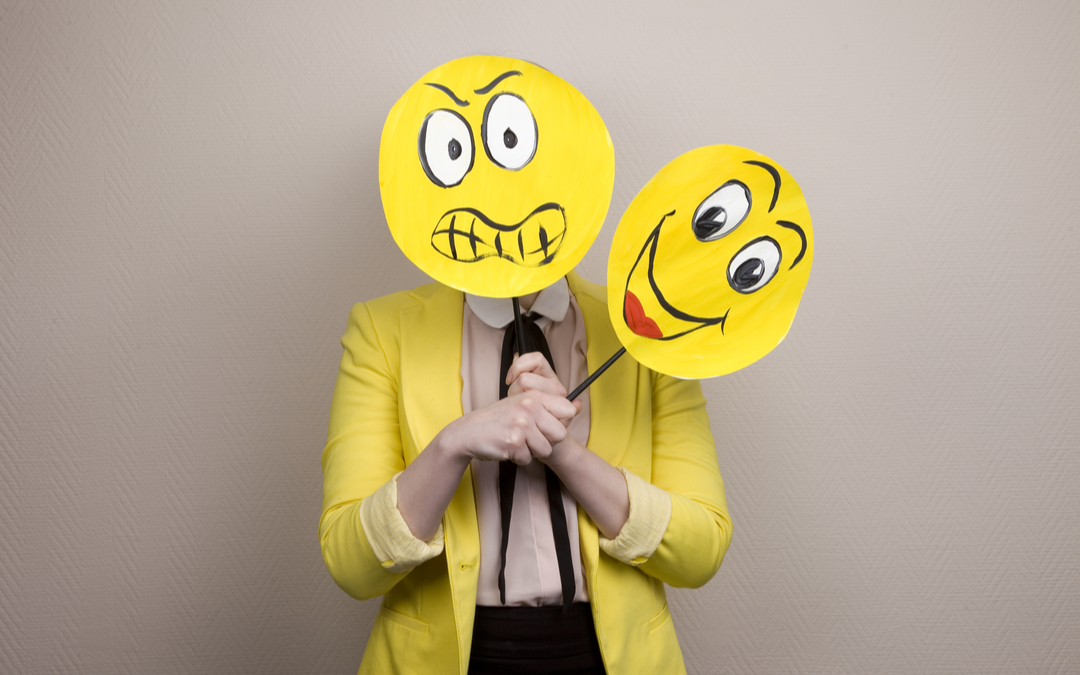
(650, 244)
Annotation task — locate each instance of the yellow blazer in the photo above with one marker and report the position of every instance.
(399, 384)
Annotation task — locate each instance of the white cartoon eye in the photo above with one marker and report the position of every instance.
(722, 211)
(755, 265)
(446, 147)
(509, 132)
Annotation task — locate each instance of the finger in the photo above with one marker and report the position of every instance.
(521, 456)
(552, 413)
(529, 381)
(558, 406)
(550, 426)
(513, 437)
(531, 362)
(547, 424)
(537, 435)
(520, 434)
(577, 407)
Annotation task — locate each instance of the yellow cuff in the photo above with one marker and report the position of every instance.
(650, 511)
(390, 537)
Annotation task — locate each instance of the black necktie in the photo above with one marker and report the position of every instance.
(533, 340)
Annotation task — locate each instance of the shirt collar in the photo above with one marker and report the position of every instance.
(552, 303)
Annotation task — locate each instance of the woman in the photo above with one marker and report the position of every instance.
(508, 529)
(400, 515)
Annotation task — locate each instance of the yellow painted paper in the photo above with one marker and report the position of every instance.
(495, 174)
(709, 263)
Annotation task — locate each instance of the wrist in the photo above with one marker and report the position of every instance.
(450, 449)
(564, 454)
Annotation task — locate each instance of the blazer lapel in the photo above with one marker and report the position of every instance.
(612, 398)
(431, 398)
(431, 365)
(614, 395)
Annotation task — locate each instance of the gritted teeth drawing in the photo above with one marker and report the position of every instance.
(467, 235)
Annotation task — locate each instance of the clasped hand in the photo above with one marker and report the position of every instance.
(529, 423)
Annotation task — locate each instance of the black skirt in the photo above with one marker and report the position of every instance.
(535, 640)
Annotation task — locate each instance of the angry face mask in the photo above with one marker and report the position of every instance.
(495, 175)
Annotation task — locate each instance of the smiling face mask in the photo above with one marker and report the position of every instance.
(709, 263)
(495, 175)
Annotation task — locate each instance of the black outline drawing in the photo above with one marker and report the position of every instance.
(446, 90)
(802, 235)
(694, 221)
(500, 251)
(423, 153)
(776, 179)
(483, 132)
(497, 80)
(653, 238)
(748, 244)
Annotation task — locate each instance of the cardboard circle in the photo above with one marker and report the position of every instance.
(709, 263)
(495, 175)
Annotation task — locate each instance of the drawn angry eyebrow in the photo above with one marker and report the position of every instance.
(500, 78)
(775, 176)
(446, 90)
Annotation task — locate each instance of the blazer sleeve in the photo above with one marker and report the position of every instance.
(363, 456)
(684, 464)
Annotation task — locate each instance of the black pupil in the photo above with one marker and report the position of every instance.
(710, 222)
(509, 138)
(748, 273)
(715, 213)
(454, 148)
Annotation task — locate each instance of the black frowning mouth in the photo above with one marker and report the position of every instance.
(467, 235)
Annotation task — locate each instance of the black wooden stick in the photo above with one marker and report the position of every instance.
(599, 371)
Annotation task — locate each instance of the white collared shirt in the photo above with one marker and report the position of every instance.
(532, 568)
(552, 304)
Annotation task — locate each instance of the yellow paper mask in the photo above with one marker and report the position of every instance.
(709, 263)
(495, 175)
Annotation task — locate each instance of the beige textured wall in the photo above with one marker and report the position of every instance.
(189, 206)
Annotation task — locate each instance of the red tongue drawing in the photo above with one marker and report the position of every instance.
(636, 319)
